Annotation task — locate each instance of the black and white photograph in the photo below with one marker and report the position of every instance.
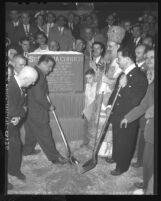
(80, 98)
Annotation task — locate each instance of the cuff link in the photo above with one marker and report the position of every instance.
(129, 86)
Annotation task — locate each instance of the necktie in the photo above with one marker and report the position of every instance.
(25, 54)
(26, 30)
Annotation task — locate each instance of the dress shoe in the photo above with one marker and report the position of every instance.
(10, 186)
(60, 160)
(116, 172)
(139, 185)
(136, 164)
(109, 160)
(35, 152)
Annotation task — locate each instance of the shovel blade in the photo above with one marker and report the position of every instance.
(90, 164)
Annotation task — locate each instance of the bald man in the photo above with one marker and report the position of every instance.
(19, 62)
(16, 113)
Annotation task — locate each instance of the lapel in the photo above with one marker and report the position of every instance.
(17, 88)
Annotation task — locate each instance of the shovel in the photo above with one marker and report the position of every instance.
(71, 159)
(90, 164)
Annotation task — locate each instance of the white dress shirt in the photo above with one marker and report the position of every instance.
(40, 50)
(49, 25)
(26, 27)
(15, 24)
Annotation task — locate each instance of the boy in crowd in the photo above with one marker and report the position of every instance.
(90, 94)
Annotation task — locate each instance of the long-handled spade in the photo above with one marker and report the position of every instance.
(71, 159)
(90, 164)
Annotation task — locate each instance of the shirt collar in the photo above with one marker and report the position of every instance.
(26, 25)
(97, 59)
(137, 39)
(16, 23)
(130, 68)
(50, 24)
(140, 64)
(61, 28)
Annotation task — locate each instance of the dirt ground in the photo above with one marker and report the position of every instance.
(44, 178)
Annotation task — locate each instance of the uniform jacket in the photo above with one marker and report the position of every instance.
(16, 100)
(38, 104)
(141, 109)
(65, 39)
(129, 96)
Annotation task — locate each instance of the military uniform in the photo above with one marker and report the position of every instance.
(124, 140)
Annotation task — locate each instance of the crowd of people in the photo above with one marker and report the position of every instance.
(120, 55)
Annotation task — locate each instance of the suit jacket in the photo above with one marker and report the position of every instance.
(132, 45)
(12, 33)
(130, 96)
(143, 67)
(16, 99)
(21, 31)
(141, 109)
(45, 28)
(127, 38)
(38, 104)
(64, 39)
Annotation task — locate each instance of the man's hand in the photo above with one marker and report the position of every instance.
(123, 81)
(123, 122)
(15, 120)
(108, 110)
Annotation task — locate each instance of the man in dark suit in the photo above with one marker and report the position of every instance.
(37, 123)
(128, 35)
(88, 35)
(17, 111)
(51, 19)
(134, 85)
(12, 28)
(26, 29)
(110, 22)
(146, 108)
(61, 34)
(136, 38)
(140, 61)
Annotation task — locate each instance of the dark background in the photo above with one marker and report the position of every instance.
(129, 10)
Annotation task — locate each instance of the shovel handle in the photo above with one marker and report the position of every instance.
(60, 127)
(105, 127)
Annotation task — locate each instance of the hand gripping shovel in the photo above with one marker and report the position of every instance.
(90, 164)
(71, 158)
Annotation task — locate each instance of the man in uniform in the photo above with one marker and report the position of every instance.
(133, 88)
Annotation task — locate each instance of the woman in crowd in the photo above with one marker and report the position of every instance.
(41, 40)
